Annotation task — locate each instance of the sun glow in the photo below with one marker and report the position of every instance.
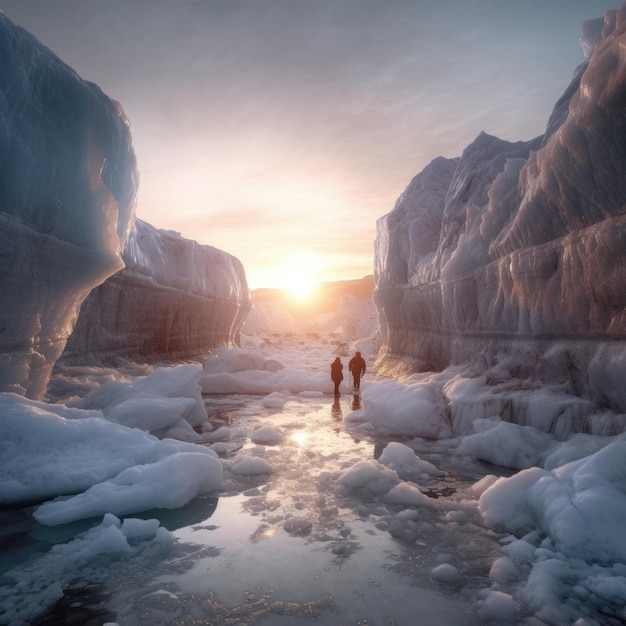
(300, 437)
(302, 289)
(300, 277)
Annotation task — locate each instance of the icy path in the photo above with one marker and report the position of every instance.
(287, 545)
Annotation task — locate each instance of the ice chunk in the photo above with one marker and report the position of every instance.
(405, 462)
(507, 445)
(267, 435)
(406, 494)
(169, 483)
(43, 454)
(499, 608)
(251, 466)
(90, 557)
(275, 400)
(579, 505)
(402, 410)
(134, 401)
(368, 476)
(446, 573)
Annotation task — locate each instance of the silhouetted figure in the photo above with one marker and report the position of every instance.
(336, 373)
(357, 368)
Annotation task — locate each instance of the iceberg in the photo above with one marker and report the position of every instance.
(68, 181)
(511, 259)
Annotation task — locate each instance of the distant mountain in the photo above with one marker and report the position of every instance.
(324, 299)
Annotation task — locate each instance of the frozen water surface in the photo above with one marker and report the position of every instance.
(338, 510)
(287, 545)
(276, 546)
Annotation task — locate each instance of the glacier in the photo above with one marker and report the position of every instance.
(68, 182)
(80, 277)
(174, 299)
(510, 260)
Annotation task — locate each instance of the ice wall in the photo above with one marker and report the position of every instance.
(68, 181)
(512, 258)
(174, 299)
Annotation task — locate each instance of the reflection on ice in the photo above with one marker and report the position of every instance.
(300, 437)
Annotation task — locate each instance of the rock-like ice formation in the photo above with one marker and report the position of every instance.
(512, 259)
(68, 182)
(174, 299)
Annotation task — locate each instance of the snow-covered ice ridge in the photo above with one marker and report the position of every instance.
(512, 258)
(193, 298)
(68, 181)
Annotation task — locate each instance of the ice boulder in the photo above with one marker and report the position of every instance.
(68, 182)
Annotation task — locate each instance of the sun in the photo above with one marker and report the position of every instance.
(299, 277)
(302, 288)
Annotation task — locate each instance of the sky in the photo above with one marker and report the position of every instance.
(281, 130)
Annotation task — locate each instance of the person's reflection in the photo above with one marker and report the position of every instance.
(356, 402)
(336, 412)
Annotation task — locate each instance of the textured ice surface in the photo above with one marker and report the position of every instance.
(174, 299)
(67, 188)
(512, 258)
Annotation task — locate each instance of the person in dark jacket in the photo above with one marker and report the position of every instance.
(356, 366)
(336, 373)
